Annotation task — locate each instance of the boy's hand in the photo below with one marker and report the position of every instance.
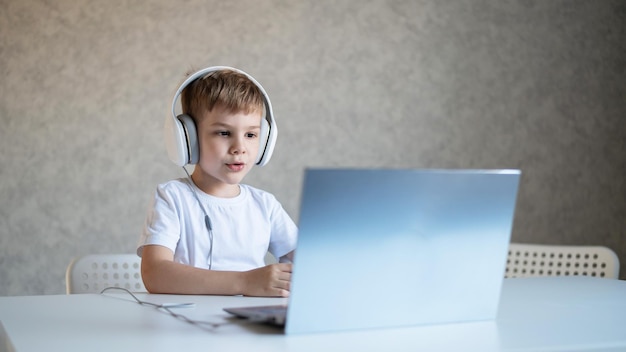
(271, 281)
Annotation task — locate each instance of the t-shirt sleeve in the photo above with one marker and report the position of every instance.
(162, 226)
(284, 233)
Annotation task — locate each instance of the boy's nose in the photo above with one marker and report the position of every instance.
(237, 147)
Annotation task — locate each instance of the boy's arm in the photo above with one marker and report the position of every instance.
(161, 274)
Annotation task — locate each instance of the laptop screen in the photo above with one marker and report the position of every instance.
(398, 247)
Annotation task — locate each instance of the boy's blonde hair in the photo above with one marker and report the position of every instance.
(225, 89)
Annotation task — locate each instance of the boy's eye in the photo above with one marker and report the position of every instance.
(223, 133)
(250, 135)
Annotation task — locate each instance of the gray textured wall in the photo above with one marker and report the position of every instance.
(85, 86)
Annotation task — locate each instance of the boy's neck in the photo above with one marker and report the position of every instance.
(216, 189)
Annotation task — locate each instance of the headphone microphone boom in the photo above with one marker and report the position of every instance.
(181, 137)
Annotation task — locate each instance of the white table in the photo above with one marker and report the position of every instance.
(536, 314)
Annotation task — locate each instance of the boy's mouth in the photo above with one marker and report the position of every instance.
(235, 166)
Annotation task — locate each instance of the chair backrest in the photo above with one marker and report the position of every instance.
(94, 272)
(526, 260)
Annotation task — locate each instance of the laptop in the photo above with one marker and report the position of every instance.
(380, 248)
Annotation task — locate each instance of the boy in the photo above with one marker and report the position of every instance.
(208, 234)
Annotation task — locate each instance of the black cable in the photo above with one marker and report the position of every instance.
(168, 308)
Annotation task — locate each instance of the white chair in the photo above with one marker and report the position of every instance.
(526, 260)
(94, 272)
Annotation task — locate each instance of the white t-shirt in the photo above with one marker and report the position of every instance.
(244, 228)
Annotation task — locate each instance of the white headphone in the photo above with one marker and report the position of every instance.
(181, 137)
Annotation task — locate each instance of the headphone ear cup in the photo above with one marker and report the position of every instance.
(191, 138)
(263, 140)
(191, 133)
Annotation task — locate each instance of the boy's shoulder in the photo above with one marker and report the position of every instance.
(257, 193)
(174, 185)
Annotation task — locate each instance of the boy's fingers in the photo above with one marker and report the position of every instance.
(286, 267)
(283, 285)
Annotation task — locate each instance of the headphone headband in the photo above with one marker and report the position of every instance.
(181, 142)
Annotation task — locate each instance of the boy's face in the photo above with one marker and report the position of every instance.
(229, 144)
